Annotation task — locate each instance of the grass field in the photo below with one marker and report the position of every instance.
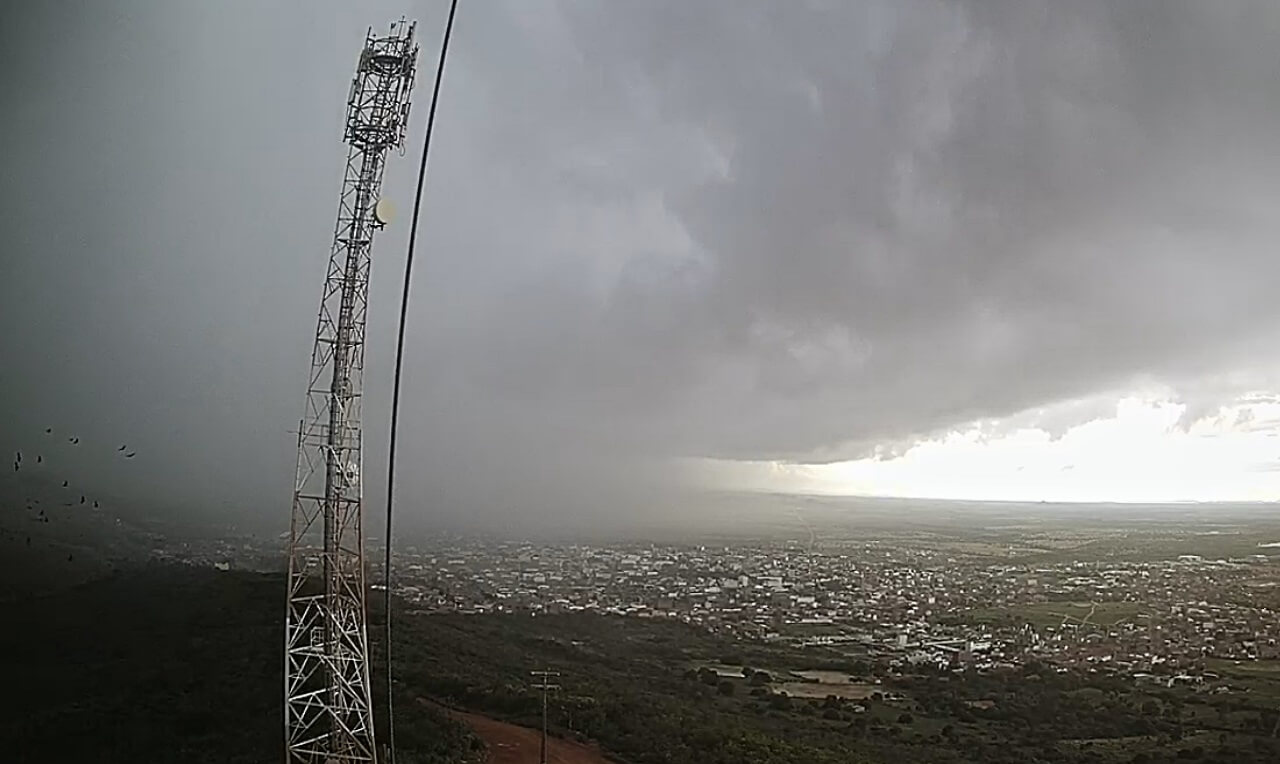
(1245, 669)
(1260, 679)
(847, 690)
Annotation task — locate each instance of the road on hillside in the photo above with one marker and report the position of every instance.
(512, 744)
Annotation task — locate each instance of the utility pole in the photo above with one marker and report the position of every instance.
(546, 686)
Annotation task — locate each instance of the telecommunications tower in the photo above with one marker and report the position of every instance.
(328, 703)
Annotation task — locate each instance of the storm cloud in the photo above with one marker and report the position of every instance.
(652, 232)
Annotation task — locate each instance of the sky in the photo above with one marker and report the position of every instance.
(981, 250)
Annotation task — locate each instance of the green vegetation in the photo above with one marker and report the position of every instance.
(183, 664)
(1259, 680)
(642, 689)
(1247, 669)
(1167, 543)
(626, 685)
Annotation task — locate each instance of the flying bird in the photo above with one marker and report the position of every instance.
(48, 430)
(81, 499)
(64, 484)
(39, 458)
(131, 454)
(95, 503)
(19, 456)
(122, 448)
(74, 441)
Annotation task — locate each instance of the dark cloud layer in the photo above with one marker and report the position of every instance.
(750, 230)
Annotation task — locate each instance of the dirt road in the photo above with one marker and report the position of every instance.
(511, 744)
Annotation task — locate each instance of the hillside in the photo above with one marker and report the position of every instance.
(163, 663)
(174, 663)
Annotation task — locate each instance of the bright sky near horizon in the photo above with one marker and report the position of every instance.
(1146, 450)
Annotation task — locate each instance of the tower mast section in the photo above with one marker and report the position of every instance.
(328, 709)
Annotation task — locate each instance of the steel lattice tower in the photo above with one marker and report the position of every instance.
(328, 711)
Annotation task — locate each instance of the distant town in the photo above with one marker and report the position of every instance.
(895, 606)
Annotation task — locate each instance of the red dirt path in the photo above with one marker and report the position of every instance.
(512, 744)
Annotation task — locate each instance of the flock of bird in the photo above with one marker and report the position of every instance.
(32, 504)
